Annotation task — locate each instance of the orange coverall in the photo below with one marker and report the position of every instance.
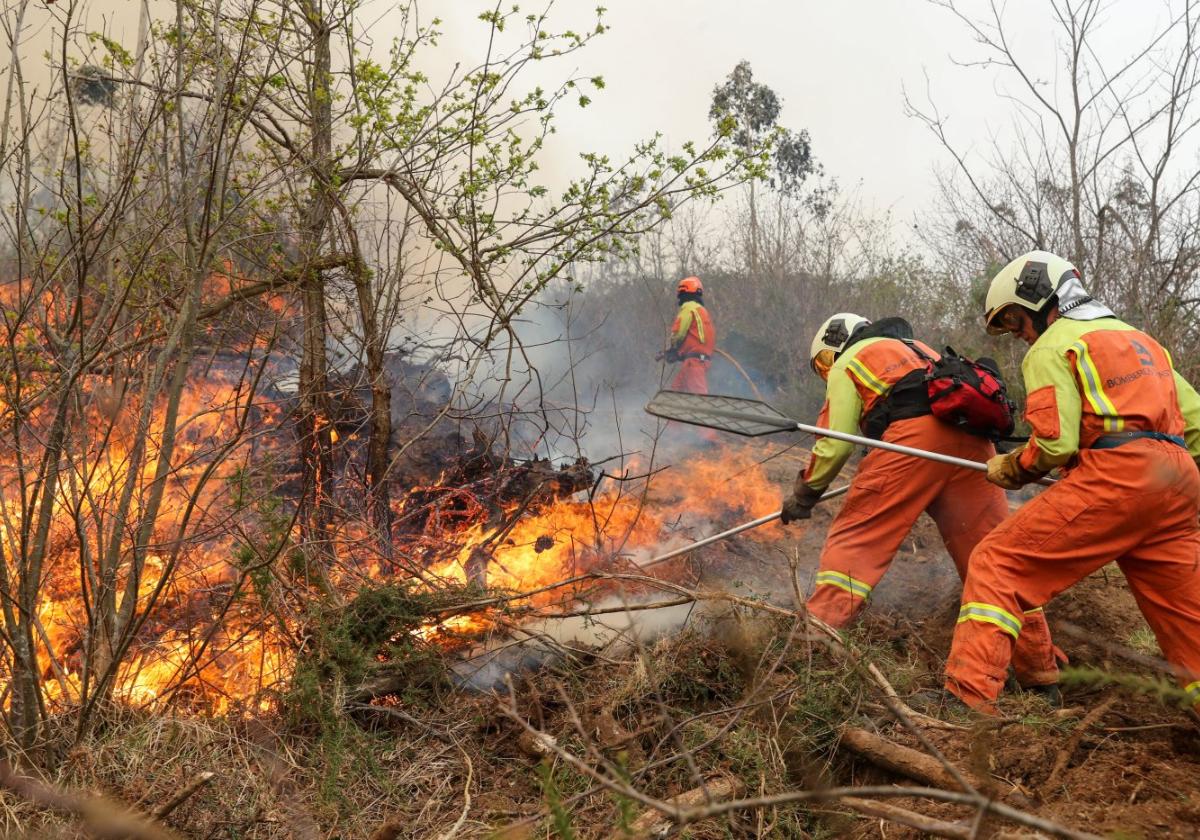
(891, 491)
(1126, 497)
(694, 337)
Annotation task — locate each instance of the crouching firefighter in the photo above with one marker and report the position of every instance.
(1105, 405)
(879, 380)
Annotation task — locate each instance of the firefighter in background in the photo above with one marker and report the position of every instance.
(1105, 405)
(691, 343)
(693, 339)
(875, 382)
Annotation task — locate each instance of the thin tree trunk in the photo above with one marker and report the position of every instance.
(379, 444)
(315, 430)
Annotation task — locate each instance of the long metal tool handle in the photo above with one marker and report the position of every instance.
(745, 526)
(859, 439)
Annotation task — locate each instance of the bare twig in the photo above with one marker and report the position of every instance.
(452, 832)
(186, 792)
(1064, 754)
(903, 816)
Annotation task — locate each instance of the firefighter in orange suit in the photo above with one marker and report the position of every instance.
(1107, 407)
(693, 339)
(875, 382)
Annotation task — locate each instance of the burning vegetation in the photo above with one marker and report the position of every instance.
(221, 615)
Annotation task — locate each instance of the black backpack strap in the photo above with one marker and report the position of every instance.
(916, 348)
(908, 398)
(893, 327)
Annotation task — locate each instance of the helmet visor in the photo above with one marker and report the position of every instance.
(822, 362)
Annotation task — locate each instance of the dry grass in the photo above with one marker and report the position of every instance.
(733, 698)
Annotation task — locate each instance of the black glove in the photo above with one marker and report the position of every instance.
(800, 504)
(670, 355)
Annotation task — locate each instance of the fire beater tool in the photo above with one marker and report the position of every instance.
(745, 526)
(752, 418)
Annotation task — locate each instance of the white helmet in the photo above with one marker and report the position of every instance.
(1028, 281)
(833, 336)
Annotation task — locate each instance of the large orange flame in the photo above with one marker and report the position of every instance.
(211, 643)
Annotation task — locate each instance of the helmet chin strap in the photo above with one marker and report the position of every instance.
(1039, 322)
(1042, 316)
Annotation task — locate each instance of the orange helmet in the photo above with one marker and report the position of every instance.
(691, 286)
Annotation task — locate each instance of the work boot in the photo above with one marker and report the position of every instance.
(1050, 694)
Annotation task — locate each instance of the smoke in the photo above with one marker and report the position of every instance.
(565, 381)
(593, 348)
(547, 641)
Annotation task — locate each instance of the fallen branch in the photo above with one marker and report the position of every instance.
(1146, 727)
(910, 763)
(655, 824)
(185, 793)
(1068, 749)
(998, 809)
(903, 816)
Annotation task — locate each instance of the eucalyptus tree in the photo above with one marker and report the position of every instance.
(753, 110)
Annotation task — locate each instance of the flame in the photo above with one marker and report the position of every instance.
(687, 501)
(212, 644)
(466, 623)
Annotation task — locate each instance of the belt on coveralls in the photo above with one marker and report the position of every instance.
(1112, 441)
(704, 357)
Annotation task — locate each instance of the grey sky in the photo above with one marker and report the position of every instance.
(838, 64)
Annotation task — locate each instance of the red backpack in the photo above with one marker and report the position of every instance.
(964, 393)
(969, 394)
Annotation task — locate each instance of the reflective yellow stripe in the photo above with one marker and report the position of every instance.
(1094, 391)
(991, 614)
(1193, 692)
(841, 581)
(865, 376)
